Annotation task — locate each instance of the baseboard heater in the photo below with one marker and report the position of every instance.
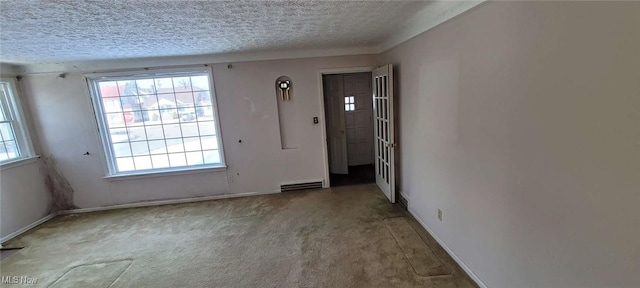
(301, 186)
(404, 202)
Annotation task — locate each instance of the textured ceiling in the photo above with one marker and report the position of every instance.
(33, 32)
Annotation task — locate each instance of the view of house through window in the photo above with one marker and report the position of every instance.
(163, 121)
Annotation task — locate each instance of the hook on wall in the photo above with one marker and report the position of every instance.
(284, 88)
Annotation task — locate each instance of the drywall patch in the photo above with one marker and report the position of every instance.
(58, 186)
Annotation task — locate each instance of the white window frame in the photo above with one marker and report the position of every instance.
(99, 113)
(13, 110)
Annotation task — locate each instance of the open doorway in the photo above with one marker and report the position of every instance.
(348, 105)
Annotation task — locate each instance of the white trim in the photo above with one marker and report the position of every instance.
(17, 114)
(163, 202)
(138, 63)
(163, 173)
(432, 15)
(323, 127)
(28, 227)
(19, 162)
(92, 81)
(455, 257)
(214, 107)
(97, 132)
(146, 73)
(129, 205)
(346, 70)
(8, 70)
(322, 121)
(404, 196)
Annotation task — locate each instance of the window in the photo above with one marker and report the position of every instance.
(349, 103)
(15, 143)
(156, 122)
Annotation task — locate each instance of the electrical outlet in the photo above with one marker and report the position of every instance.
(315, 120)
(231, 179)
(439, 214)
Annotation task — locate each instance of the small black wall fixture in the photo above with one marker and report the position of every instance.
(284, 88)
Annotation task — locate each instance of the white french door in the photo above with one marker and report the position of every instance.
(384, 130)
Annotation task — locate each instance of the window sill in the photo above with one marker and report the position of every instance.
(19, 162)
(151, 174)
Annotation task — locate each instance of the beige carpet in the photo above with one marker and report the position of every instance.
(341, 237)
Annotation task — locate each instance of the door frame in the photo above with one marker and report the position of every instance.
(323, 121)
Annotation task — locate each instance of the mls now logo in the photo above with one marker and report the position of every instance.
(19, 280)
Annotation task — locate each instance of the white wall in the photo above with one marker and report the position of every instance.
(23, 197)
(247, 104)
(521, 121)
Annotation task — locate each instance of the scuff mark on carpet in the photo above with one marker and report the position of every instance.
(100, 274)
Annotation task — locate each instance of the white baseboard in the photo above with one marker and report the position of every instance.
(404, 196)
(27, 228)
(162, 202)
(130, 205)
(455, 257)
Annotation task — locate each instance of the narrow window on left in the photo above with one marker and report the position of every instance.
(15, 143)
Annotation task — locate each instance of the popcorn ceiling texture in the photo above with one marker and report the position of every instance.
(33, 32)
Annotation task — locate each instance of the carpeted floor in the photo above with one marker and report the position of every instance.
(341, 237)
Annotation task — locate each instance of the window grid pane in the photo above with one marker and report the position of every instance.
(160, 161)
(349, 103)
(6, 131)
(3, 117)
(159, 122)
(9, 150)
(14, 138)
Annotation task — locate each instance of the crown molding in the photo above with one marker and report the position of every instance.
(8, 69)
(431, 16)
(138, 63)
